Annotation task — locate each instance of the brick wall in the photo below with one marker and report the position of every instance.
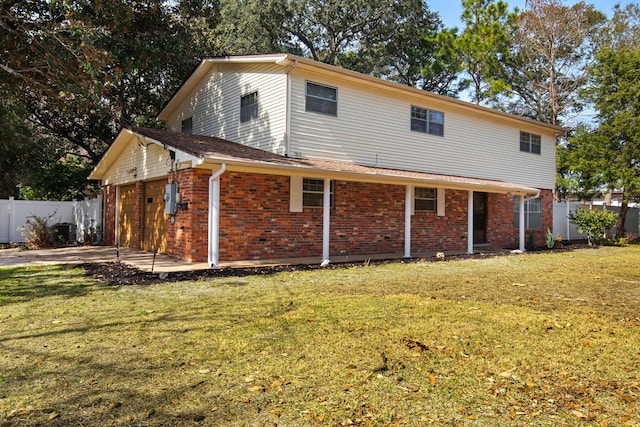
(501, 232)
(367, 219)
(109, 226)
(430, 232)
(187, 232)
(256, 223)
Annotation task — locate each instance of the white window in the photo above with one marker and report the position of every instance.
(532, 213)
(529, 143)
(249, 107)
(313, 193)
(427, 121)
(321, 99)
(425, 199)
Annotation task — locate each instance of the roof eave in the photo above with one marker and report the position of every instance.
(448, 182)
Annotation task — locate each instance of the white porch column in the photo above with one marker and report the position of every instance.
(521, 223)
(470, 223)
(408, 199)
(326, 220)
(214, 218)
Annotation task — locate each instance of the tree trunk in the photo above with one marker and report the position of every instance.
(622, 216)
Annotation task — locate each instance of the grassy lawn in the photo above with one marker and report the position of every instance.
(539, 339)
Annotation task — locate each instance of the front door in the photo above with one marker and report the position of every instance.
(479, 218)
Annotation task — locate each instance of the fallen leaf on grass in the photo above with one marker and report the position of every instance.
(578, 414)
(256, 388)
(432, 378)
(627, 398)
(53, 416)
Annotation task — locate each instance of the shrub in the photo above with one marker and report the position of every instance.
(551, 241)
(37, 232)
(530, 245)
(593, 223)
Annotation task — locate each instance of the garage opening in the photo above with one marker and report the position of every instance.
(154, 231)
(127, 216)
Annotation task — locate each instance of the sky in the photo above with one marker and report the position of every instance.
(450, 10)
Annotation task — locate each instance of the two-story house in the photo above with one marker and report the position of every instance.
(274, 157)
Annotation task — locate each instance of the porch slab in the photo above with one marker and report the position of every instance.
(159, 263)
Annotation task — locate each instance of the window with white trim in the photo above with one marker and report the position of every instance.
(313, 193)
(321, 99)
(427, 121)
(425, 199)
(530, 143)
(248, 107)
(532, 213)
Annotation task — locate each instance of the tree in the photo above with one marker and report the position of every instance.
(15, 148)
(433, 63)
(82, 69)
(377, 37)
(593, 223)
(552, 46)
(609, 156)
(483, 47)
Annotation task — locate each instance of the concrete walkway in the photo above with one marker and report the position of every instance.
(160, 263)
(81, 254)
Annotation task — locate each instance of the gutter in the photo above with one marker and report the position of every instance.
(214, 218)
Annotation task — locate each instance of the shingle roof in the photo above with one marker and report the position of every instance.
(212, 148)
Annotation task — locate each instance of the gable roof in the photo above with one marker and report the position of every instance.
(288, 60)
(211, 152)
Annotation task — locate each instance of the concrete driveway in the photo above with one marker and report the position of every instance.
(81, 254)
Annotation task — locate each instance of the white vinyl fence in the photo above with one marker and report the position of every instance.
(569, 231)
(85, 214)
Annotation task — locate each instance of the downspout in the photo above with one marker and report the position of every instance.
(521, 236)
(214, 218)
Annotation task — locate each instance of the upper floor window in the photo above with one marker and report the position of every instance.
(425, 199)
(529, 143)
(313, 193)
(427, 121)
(249, 107)
(187, 126)
(321, 99)
(532, 213)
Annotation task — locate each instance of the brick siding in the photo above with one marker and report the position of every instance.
(367, 219)
(110, 215)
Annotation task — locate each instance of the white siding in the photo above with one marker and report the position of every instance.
(138, 162)
(215, 106)
(373, 128)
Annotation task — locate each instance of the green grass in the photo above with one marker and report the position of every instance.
(539, 339)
